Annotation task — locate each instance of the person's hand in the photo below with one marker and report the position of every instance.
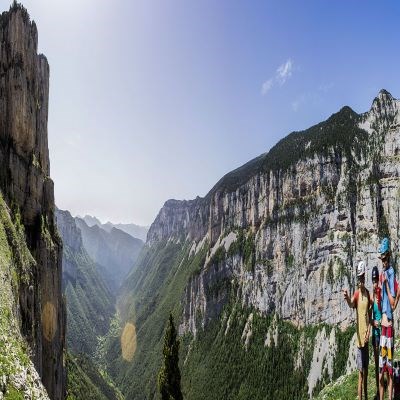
(376, 323)
(345, 294)
(366, 338)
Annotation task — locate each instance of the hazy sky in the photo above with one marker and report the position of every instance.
(151, 100)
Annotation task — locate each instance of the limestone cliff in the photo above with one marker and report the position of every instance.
(260, 261)
(28, 192)
(310, 209)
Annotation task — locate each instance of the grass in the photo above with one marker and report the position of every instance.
(345, 388)
(13, 394)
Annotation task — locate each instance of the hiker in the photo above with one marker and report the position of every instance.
(361, 302)
(387, 337)
(376, 301)
(393, 301)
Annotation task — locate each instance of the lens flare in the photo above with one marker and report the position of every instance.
(128, 342)
(49, 321)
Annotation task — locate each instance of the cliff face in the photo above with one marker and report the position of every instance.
(28, 190)
(298, 219)
(258, 264)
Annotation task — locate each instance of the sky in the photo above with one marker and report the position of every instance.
(152, 100)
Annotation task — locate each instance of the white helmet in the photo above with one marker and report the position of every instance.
(361, 268)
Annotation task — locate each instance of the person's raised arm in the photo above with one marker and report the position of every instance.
(397, 297)
(351, 302)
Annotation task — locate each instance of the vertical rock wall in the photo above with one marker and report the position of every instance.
(28, 190)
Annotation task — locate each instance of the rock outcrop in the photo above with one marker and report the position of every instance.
(256, 268)
(28, 190)
(308, 210)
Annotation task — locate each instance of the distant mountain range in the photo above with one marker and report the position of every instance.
(114, 251)
(137, 231)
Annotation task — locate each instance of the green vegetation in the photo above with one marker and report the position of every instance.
(16, 265)
(289, 261)
(244, 246)
(13, 394)
(218, 256)
(329, 274)
(345, 388)
(329, 191)
(340, 131)
(46, 233)
(90, 305)
(169, 377)
(343, 339)
(153, 289)
(383, 228)
(85, 382)
(219, 365)
(249, 252)
(342, 271)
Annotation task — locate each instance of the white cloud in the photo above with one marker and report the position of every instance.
(266, 86)
(282, 74)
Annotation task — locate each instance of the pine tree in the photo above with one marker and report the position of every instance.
(169, 377)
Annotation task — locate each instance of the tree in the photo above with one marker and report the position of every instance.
(169, 377)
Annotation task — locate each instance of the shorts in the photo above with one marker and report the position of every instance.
(386, 350)
(362, 357)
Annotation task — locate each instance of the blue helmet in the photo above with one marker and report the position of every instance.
(385, 246)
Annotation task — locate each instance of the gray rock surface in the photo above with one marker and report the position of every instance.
(312, 219)
(26, 186)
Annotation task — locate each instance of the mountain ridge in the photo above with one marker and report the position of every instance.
(114, 251)
(136, 231)
(267, 249)
(265, 162)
